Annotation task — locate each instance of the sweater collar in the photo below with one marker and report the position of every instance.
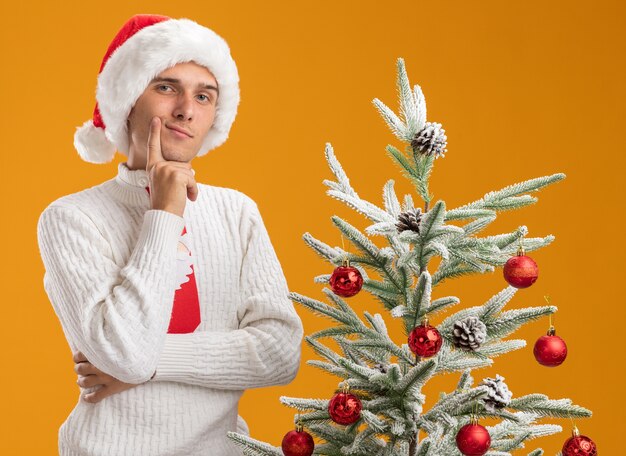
(134, 177)
(129, 185)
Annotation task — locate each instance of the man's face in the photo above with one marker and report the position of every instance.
(184, 97)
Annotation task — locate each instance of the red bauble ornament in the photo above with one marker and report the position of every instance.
(579, 445)
(473, 440)
(346, 281)
(550, 350)
(344, 407)
(298, 443)
(520, 271)
(425, 340)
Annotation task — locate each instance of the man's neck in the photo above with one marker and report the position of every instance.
(135, 160)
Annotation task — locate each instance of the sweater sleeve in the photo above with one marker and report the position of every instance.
(116, 315)
(265, 349)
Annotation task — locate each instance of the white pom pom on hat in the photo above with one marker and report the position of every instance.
(146, 45)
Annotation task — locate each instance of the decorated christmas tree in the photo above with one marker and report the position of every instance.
(378, 408)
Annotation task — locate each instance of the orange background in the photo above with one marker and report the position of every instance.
(523, 89)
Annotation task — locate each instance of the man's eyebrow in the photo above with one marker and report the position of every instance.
(177, 81)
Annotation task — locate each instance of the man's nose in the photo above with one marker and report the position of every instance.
(184, 108)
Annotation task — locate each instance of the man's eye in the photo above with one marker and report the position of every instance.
(204, 97)
(163, 88)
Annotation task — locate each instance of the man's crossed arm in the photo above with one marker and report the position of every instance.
(265, 349)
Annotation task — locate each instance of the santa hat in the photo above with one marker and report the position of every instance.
(145, 46)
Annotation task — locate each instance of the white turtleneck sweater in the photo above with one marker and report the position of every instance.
(110, 274)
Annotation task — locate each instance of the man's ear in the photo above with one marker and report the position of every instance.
(128, 129)
(130, 113)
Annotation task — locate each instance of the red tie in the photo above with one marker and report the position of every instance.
(186, 311)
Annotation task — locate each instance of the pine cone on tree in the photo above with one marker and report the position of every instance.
(499, 395)
(430, 140)
(469, 333)
(410, 220)
(381, 367)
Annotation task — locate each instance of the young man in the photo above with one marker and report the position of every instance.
(172, 308)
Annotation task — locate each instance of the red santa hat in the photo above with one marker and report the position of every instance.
(146, 45)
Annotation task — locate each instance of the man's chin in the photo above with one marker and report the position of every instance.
(176, 154)
(175, 157)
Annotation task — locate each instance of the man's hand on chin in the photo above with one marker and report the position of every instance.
(89, 376)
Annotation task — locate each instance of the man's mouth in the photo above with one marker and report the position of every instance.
(179, 131)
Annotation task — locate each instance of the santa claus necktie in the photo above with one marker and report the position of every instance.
(186, 311)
